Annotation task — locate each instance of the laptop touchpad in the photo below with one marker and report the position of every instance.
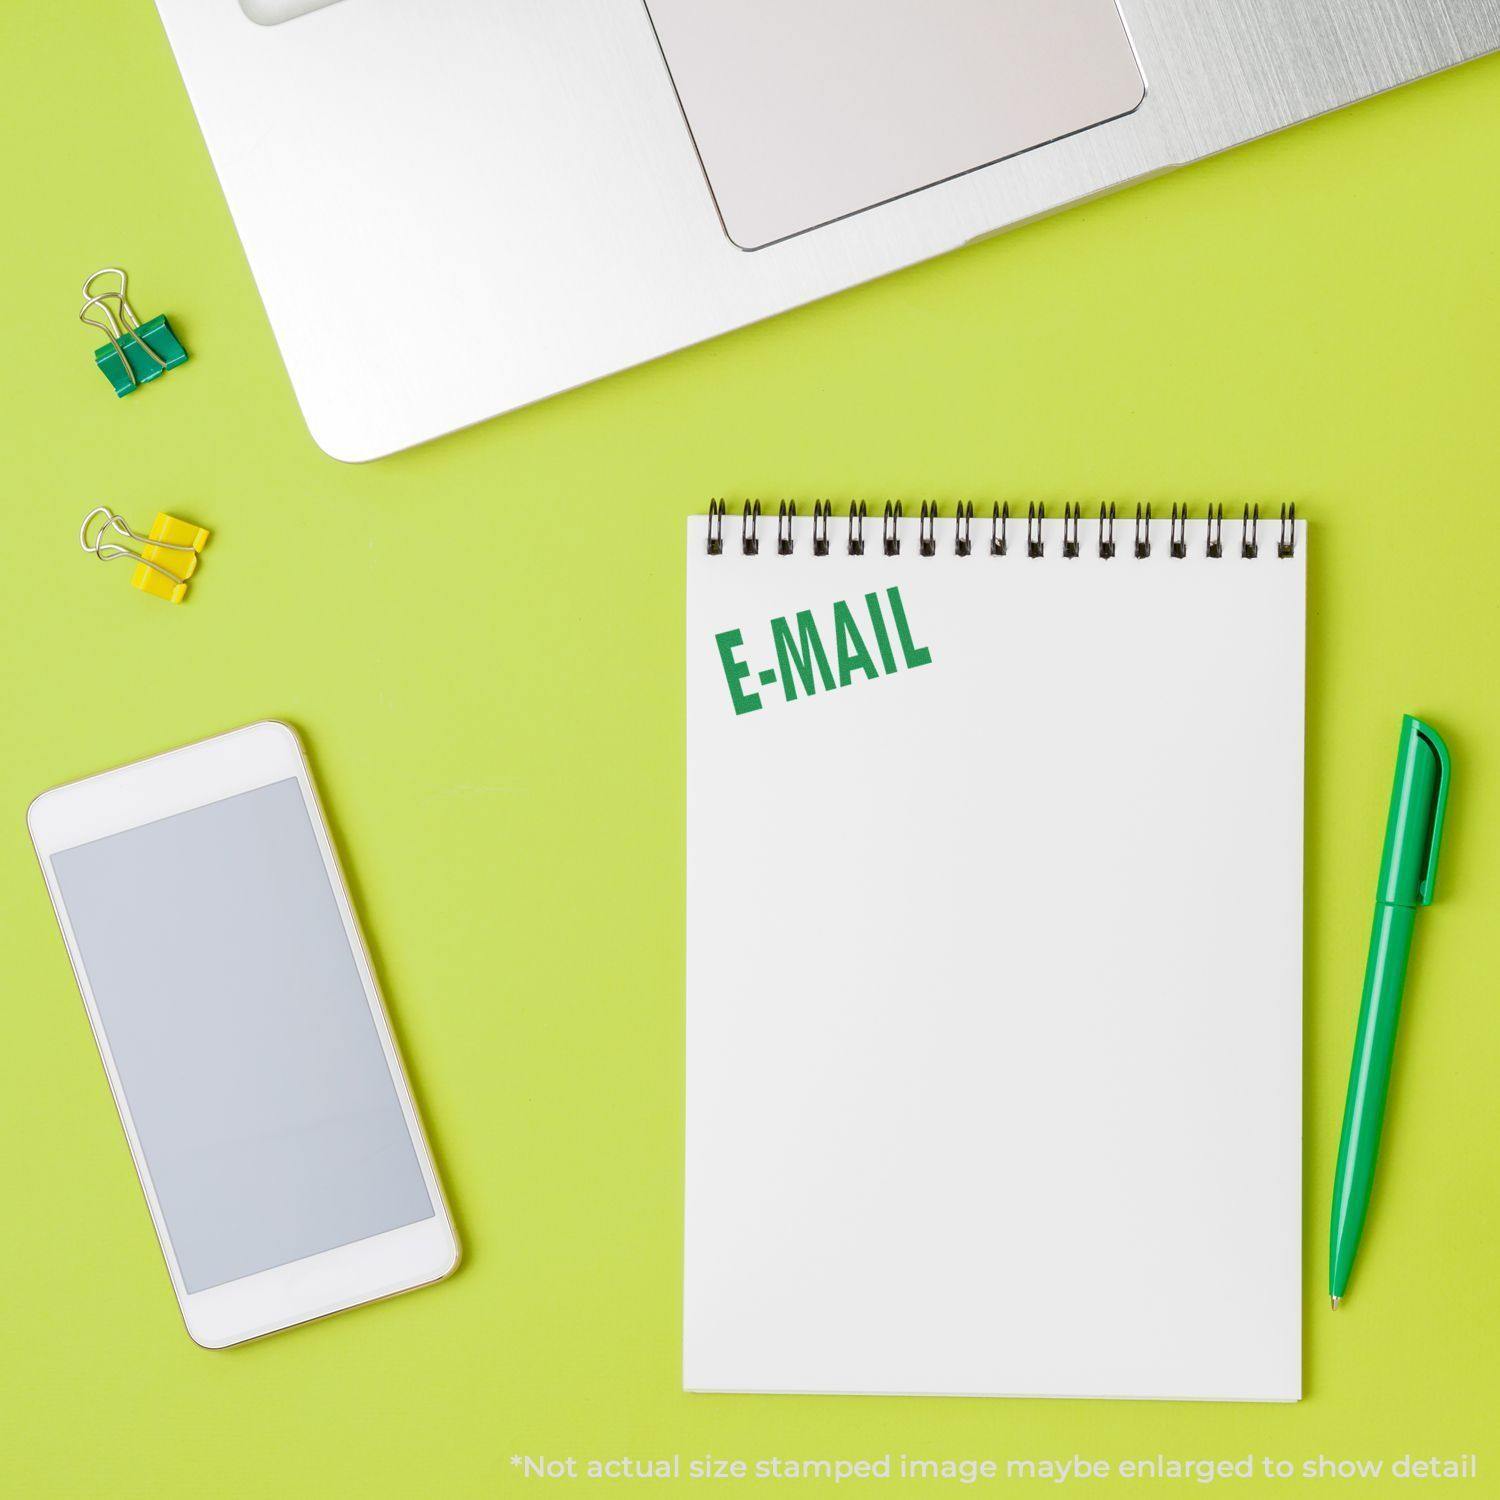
(804, 111)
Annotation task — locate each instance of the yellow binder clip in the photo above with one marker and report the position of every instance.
(168, 555)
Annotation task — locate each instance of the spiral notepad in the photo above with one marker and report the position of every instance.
(994, 952)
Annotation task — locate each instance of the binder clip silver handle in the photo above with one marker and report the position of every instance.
(109, 551)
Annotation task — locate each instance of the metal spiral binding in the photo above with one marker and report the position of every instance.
(1036, 516)
(890, 529)
(1071, 514)
(1286, 541)
(963, 522)
(784, 518)
(1107, 531)
(1216, 532)
(822, 511)
(857, 540)
(927, 544)
(749, 542)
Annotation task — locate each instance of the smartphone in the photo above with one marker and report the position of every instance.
(242, 1034)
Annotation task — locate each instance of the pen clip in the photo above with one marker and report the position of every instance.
(1434, 742)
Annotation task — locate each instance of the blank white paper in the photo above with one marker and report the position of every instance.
(994, 971)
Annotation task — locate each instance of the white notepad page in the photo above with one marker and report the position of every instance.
(994, 967)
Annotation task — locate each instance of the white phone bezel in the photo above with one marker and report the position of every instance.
(195, 776)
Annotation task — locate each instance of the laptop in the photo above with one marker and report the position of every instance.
(454, 208)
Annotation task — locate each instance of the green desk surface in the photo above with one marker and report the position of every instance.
(480, 641)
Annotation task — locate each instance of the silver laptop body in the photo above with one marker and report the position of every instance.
(453, 208)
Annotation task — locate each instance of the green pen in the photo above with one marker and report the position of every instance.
(1408, 865)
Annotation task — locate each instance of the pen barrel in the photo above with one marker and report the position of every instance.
(1369, 1082)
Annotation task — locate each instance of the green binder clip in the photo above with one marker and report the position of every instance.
(136, 352)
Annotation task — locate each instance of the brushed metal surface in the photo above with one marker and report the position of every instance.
(507, 186)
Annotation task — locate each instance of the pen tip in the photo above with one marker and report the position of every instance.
(1335, 1301)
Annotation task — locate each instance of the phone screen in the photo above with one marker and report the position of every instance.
(233, 1008)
